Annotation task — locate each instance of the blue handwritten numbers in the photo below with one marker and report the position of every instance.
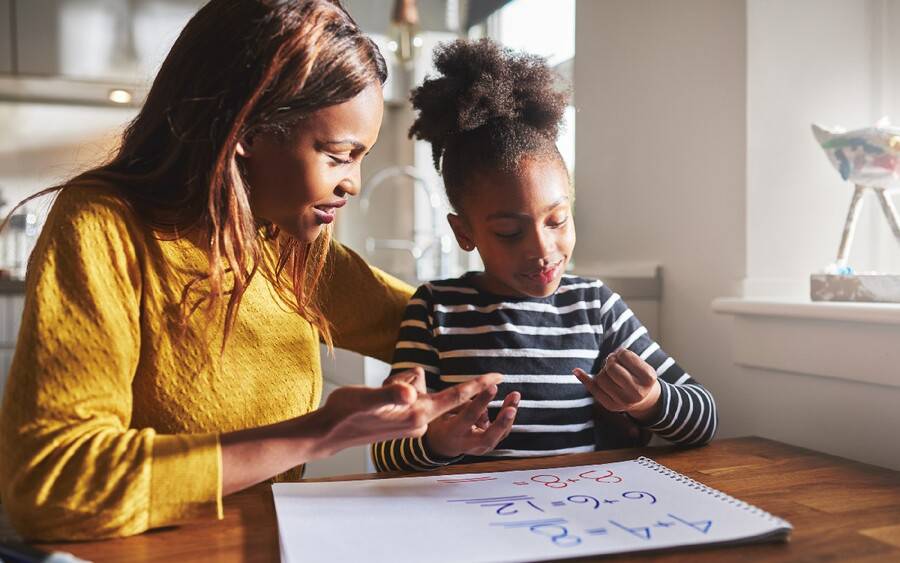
(701, 526)
(637, 495)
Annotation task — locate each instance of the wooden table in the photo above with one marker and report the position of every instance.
(841, 510)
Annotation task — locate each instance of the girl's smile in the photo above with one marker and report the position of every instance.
(547, 274)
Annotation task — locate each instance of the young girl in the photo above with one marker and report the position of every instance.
(492, 118)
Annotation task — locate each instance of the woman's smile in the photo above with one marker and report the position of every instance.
(325, 212)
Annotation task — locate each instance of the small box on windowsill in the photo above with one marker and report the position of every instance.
(873, 287)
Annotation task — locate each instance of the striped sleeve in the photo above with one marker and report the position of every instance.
(414, 348)
(688, 414)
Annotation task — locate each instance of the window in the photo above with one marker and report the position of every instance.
(546, 29)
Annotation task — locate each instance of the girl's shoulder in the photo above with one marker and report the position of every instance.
(459, 285)
(449, 291)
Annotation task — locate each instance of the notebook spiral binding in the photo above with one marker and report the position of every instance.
(681, 478)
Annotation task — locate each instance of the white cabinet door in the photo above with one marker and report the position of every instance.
(11, 305)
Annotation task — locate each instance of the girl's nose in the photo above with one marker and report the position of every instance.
(542, 244)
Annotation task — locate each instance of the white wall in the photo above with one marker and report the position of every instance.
(42, 144)
(659, 163)
(694, 150)
(815, 61)
(807, 61)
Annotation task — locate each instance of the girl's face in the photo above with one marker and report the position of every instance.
(522, 225)
(299, 183)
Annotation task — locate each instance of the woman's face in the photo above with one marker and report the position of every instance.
(522, 225)
(298, 183)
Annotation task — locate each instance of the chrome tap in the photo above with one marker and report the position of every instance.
(430, 243)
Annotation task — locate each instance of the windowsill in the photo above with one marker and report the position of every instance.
(848, 341)
(880, 313)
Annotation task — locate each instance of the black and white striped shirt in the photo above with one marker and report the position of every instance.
(455, 332)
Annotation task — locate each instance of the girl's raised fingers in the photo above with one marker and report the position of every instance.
(477, 406)
(483, 421)
(625, 387)
(511, 399)
(639, 369)
(586, 379)
(608, 393)
(460, 394)
(499, 429)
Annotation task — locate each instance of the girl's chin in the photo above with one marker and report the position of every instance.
(542, 290)
(519, 287)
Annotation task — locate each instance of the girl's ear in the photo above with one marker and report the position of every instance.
(462, 232)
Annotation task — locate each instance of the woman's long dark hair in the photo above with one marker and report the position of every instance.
(239, 67)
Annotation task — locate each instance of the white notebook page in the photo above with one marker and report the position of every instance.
(511, 516)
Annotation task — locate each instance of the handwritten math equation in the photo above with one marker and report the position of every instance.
(547, 517)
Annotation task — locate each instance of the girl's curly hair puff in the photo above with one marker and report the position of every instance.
(488, 107)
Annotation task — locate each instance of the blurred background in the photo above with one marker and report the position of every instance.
(702, 197)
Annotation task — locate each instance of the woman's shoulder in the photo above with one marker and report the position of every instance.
(86, 201)
(86, 213)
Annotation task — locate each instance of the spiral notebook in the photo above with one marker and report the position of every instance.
(536, 515)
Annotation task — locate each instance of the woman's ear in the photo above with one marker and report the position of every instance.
(244, 146)
(461, 231)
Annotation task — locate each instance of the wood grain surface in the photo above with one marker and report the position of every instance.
(841, 510)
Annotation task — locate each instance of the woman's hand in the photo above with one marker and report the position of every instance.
(468, 430)
(400, 408)
(351, 416)
(625, 384)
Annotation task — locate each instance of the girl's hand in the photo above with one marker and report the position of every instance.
(468, 430)
(625, 384)
(361, 415)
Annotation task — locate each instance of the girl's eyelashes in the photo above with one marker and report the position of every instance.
(558, 223)
(508, 236)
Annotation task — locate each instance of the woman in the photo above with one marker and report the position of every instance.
(175, 301)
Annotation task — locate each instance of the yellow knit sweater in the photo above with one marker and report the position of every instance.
(111, 418)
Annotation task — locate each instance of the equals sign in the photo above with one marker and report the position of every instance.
(597, 532)
(558, 503)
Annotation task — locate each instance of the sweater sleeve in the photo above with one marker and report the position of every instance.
(71, 467)
(688, 415)
(415, 348)
(363, 304)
